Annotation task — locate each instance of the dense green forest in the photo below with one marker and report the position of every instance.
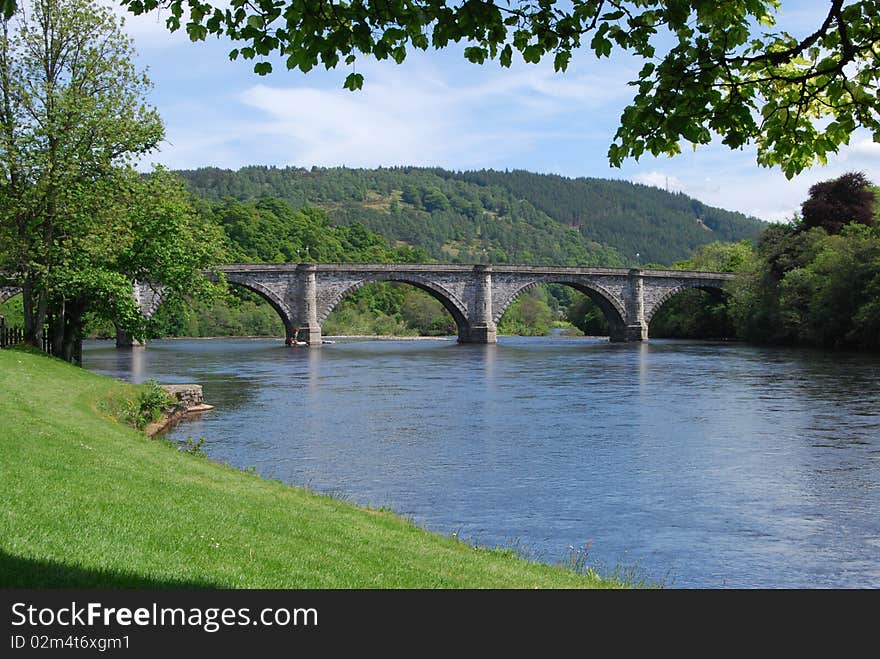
(499, 217)
(812, 282)
(816, 282)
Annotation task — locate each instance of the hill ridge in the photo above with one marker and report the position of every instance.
(492, 215)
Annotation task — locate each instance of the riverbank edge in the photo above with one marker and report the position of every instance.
(172, 418)
(190, 401)
(69, 531)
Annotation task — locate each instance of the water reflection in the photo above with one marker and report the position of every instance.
(705, 464)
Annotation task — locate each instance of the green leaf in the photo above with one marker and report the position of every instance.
(475, 54)
(601, 46)
(255, 22)
(532, 54)
(354, 81)
(506, 56)
(262, 68)
(560, 62)
(196, 32)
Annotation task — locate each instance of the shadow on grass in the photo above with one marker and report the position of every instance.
(18, 572)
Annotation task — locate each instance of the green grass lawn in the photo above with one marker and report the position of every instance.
(88, 502)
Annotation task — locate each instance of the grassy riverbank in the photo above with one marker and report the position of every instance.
(88, 502)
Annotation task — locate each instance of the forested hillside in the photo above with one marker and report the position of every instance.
(663, 227)
(500, 217)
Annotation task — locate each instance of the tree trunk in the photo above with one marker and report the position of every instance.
(34, 299)
(71, 349)
(56, 332)
(65, 331)
(56, 329)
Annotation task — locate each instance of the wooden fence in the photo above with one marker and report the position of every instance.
(10, 336)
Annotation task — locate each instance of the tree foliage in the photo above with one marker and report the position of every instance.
(812, 287)
(833, 204)
(697, 314)
(78, 226)
(529, 315)
(70, 114)
(708, 68)
(587, 316)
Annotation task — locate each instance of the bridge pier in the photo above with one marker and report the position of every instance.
(629, 333)
(311, 334)
(481, 329)
(306, 305)
(634, 327)
(478, 333)
(125, 340)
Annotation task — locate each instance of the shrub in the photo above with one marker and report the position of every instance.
(147, 407)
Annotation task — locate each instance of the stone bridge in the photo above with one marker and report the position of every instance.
(476, 296)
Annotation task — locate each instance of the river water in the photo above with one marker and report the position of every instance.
(690, 464)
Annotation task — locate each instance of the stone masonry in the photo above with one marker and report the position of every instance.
(475, 295)
(7, 292)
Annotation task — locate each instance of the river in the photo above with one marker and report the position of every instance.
(688, 464)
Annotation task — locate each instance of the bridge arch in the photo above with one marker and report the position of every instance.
(611, 307)
(715, 289)
(267, 294)
(456, 308)
(149, 297)
(8, 292)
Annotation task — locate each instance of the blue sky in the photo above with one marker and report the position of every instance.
(436, 109)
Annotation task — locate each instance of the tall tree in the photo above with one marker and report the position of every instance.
(71, 113)
(836, 203)
(709, 67)
(78, 224)
(138, 228)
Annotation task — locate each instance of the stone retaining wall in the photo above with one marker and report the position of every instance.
(188, 396)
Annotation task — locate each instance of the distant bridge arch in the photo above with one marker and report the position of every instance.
(268, 294)
(610, 304)
(716, 289)
(456, 307)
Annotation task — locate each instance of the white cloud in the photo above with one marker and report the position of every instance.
(417, 115)
(148, 30)
(657, 179)
(384, 124)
